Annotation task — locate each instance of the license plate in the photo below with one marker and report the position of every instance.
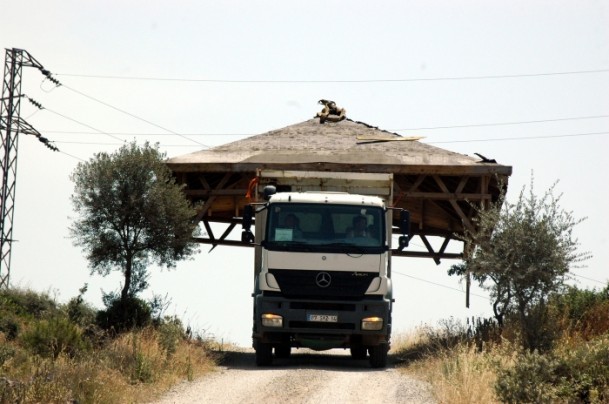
(323, 318)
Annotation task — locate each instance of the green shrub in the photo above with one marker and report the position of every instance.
(528, 381)
(171, 331)
(584, 373)
(80, 312)
(577, 374)
(49, 338)
(576, 302)
(27, 303)
(124, 314)
(6, 353)
(9, 326)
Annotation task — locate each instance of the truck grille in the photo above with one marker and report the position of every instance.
(322, 326)
(299, 283)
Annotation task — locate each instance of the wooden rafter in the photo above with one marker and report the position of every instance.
(440, 205)
(453, 201)
(212, 198)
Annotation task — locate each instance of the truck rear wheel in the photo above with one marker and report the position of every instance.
(264, 354)
(378, 355)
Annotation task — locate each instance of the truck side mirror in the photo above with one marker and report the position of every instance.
(405, 222)
(247, 237)
(404, 229)
(248, 217)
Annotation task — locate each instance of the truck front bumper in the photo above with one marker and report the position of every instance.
(322, 323)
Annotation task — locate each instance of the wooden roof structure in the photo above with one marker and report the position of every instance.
(437, 186)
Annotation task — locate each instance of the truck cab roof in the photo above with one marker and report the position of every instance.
(341, 198)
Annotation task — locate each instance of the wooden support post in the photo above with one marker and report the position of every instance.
(468, 280)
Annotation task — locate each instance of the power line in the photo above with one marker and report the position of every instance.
(118, 144)
(402, 129)
(71, 155)
(440, 142)
(505, 123)
(130, 114)
(84, 124)
(439, 285)
(402, 80)
(153, 134)
(521, 138)
(590, 279)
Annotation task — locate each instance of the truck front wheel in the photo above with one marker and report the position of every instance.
(378, 355)
(283, 350)
(264, 354)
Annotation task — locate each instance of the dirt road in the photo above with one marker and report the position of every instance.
(306, 377)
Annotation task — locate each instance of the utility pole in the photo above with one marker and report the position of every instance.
(11, 125)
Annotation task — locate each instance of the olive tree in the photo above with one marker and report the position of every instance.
(131, 213)
(522, 252)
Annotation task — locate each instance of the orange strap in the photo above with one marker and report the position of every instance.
(250, 188)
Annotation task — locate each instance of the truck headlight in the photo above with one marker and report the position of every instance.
(272, 320)
(372, 323)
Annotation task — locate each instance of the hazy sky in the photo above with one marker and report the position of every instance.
(524, 82)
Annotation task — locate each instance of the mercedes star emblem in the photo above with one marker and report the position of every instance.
(323, 279)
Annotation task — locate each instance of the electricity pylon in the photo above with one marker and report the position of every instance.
(11, 125)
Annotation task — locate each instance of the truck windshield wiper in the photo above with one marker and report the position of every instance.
(288, 246)
(348, 247)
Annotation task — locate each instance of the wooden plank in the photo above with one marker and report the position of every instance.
(423, 254)
(251, 167)
(446, 196)
(215, 192)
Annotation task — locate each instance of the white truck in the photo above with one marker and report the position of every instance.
(323, 263)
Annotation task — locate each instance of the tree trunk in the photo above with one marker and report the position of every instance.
(128, 273)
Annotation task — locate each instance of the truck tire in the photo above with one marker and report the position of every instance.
(264, 354)
(283, 351)
(358, 352)
(378, 355)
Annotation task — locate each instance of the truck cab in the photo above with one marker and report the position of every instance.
(323, 274)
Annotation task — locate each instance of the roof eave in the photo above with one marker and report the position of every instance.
(474, 169)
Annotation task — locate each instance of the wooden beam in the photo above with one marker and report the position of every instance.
(252, 166)
(231, 243)
(215, 192)
(430, 249)
(446, 196)
(423, 254)
(466, 222)
(223, 236)
(211, 199)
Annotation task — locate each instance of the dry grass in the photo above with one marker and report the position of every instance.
(577, 370)
(134, 367)
(458, 375)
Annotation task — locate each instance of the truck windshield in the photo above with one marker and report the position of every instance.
(327, 227)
